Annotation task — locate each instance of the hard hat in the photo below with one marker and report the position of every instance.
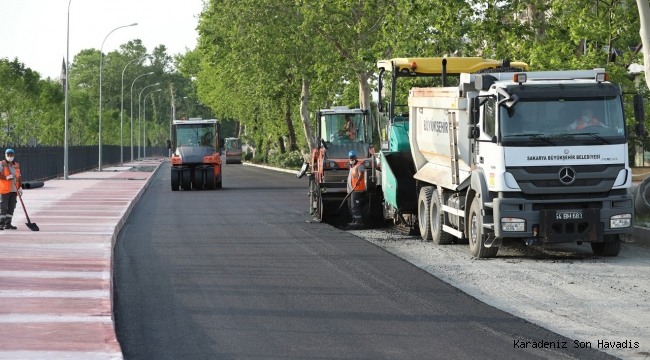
(352, 154)
(9, 151)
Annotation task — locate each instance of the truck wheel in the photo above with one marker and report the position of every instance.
(186, 177)
(477, 234)
(424, 205)
(175, 179)
(209, 178)
(437, 219)
(611, 246)
(198, 179)
(320, 207)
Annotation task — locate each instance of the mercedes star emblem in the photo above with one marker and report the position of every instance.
(567, 175)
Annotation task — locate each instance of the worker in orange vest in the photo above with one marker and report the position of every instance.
(356, 187)
(586, 120)
(349, 129)
(9, 186)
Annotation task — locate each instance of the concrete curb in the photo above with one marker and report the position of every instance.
(295, 172)
(120, 225)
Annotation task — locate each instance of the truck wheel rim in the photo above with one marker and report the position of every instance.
(422, 215)
(474, 229)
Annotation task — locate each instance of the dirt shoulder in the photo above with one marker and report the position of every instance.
(564, 288)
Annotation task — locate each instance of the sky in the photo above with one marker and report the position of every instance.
(35, 31)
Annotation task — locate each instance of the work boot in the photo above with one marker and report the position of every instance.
(355, 224)
(9, 226)
(2, 224)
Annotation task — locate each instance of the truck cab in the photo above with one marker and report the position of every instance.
(511, 156)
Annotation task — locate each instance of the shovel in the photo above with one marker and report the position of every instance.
(32, 226)
(338, 211)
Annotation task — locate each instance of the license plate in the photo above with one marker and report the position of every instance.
(568, 215)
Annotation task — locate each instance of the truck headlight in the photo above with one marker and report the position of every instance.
(513, 224)
(620, 221)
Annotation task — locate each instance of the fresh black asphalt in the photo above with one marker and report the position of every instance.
(243, 273)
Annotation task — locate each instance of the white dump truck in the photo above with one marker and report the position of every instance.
(507, 155)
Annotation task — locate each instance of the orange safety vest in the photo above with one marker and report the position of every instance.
(5, 185)
(581, 123)
(356, 179)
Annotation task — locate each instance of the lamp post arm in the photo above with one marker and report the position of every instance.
(122, 110)
(132, 84)
(139, 102)
(144, 123)
(101, 60)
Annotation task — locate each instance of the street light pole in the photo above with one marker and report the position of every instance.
(139, 134)
(151, 73)
(171, 125)
(144, 122)
(122, 111)
(101, 57)
(67, 81)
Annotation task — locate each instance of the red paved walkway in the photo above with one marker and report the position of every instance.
(55, 284)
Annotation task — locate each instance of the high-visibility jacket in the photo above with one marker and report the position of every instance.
(356, 179)
(581, 124)
(5, 185)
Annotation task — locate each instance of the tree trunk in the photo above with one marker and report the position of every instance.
(237, 129)
(292, 132)
(537, 20)
(644, 19)
(304, 115)
(364, 89)
(281, 144)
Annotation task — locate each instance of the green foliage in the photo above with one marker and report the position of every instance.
(288, 160)
(248, 156)
(258, 159)
(254, 56)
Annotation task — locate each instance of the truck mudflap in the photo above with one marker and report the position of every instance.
(568, 226)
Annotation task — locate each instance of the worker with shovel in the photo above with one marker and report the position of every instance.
(356, 188)
(9, 186)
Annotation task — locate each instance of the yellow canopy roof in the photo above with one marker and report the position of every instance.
(455, 65)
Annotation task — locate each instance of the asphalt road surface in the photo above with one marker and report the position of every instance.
(243, 273)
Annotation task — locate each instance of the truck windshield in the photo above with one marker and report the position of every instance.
(232, 144)
(343, 128)
(563, 122)
(194, 135)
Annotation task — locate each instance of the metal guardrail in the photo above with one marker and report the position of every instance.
(46, 162)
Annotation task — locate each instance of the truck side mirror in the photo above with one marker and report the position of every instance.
(303, 170)
(169, 144)
(639, 108)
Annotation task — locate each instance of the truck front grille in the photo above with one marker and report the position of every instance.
(597, 178)
(557, 183)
